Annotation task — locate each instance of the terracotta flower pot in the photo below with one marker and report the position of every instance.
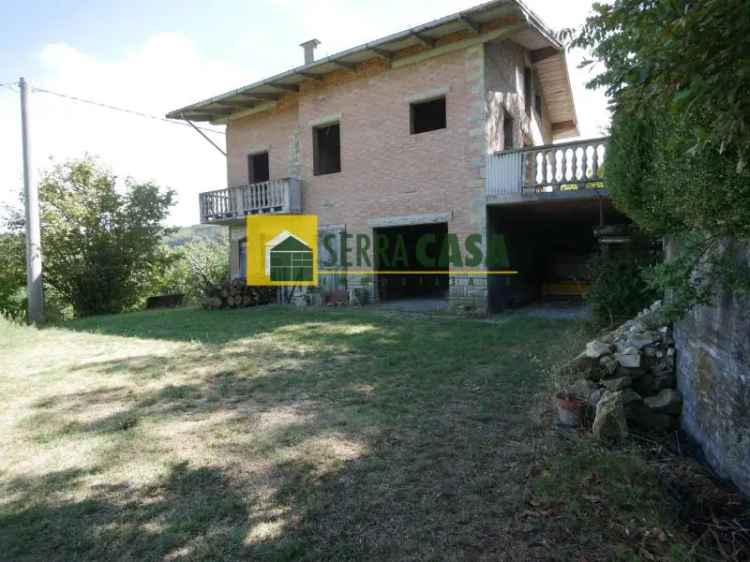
(569, 409)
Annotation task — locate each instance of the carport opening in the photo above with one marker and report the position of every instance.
(549, 245)
(409, 264)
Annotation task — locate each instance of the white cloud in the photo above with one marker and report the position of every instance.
(163, 74)
(166, 72)
(341, 24)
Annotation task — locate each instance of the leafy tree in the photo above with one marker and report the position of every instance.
(678, 72)
(12, 275)
(691, 57)
(184, 235)
(197, 269)
(102, 245)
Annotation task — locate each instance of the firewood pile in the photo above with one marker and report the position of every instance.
(236, 294)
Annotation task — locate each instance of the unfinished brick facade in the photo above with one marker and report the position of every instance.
(387, 173)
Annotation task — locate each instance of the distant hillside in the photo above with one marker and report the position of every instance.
(197, 233)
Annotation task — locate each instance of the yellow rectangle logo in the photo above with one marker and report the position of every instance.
(282, 250)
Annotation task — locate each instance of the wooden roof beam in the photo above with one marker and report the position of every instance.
(344, 65)
(382, 53)
(197, 116)
(470, 24)
(212, 112)
(264, 97)
(563, 126)
(425, 41)
(311, 76)
(235, 104)
(285, 87)
(539, 55)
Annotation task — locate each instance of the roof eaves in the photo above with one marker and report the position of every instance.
(201, 110)
(570, 89)
(538, 25)
(332, 59)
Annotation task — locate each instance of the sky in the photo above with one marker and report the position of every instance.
(155, 56)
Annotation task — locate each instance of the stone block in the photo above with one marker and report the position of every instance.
(609, 366)
(628, 372)
(641, 340)
(668, 401)
(618, 384)
(630, 358)
(610, 423)
(640, 415)
(651, 383)
(595, 349)
(582, 389)
(586, 367)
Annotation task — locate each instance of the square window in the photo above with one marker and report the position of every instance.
(428, 116)
(327, 149)
(258, 167)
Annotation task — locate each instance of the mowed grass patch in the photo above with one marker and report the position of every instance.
(270, 433)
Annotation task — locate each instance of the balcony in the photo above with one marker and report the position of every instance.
(567, 169)
(282, 196)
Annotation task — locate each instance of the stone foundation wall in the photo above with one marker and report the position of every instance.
(468, 294)
(713, 373)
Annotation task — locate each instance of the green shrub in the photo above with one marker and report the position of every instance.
(677, 164)
(12, 276)
(620, 287)
(196, 270)
(695, 198)
(102, 244)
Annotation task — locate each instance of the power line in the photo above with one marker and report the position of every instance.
(123, 110)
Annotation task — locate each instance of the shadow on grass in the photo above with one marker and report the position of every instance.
(192, 513)
(449, 493)
(391, 440)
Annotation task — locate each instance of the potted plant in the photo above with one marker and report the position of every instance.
(569, 409)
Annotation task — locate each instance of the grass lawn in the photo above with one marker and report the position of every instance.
(281, 434)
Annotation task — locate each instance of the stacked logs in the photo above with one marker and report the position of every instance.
(236, 294)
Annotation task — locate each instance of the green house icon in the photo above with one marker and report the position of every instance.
(288, 259)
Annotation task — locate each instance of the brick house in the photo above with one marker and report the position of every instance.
(445, 128)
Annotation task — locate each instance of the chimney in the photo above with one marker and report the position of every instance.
(309, 47)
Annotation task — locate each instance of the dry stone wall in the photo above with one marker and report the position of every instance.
(628, 377)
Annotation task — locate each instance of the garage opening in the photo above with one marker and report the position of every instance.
(408, 259)
(549, 245)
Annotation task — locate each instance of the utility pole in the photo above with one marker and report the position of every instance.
(34, 286)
